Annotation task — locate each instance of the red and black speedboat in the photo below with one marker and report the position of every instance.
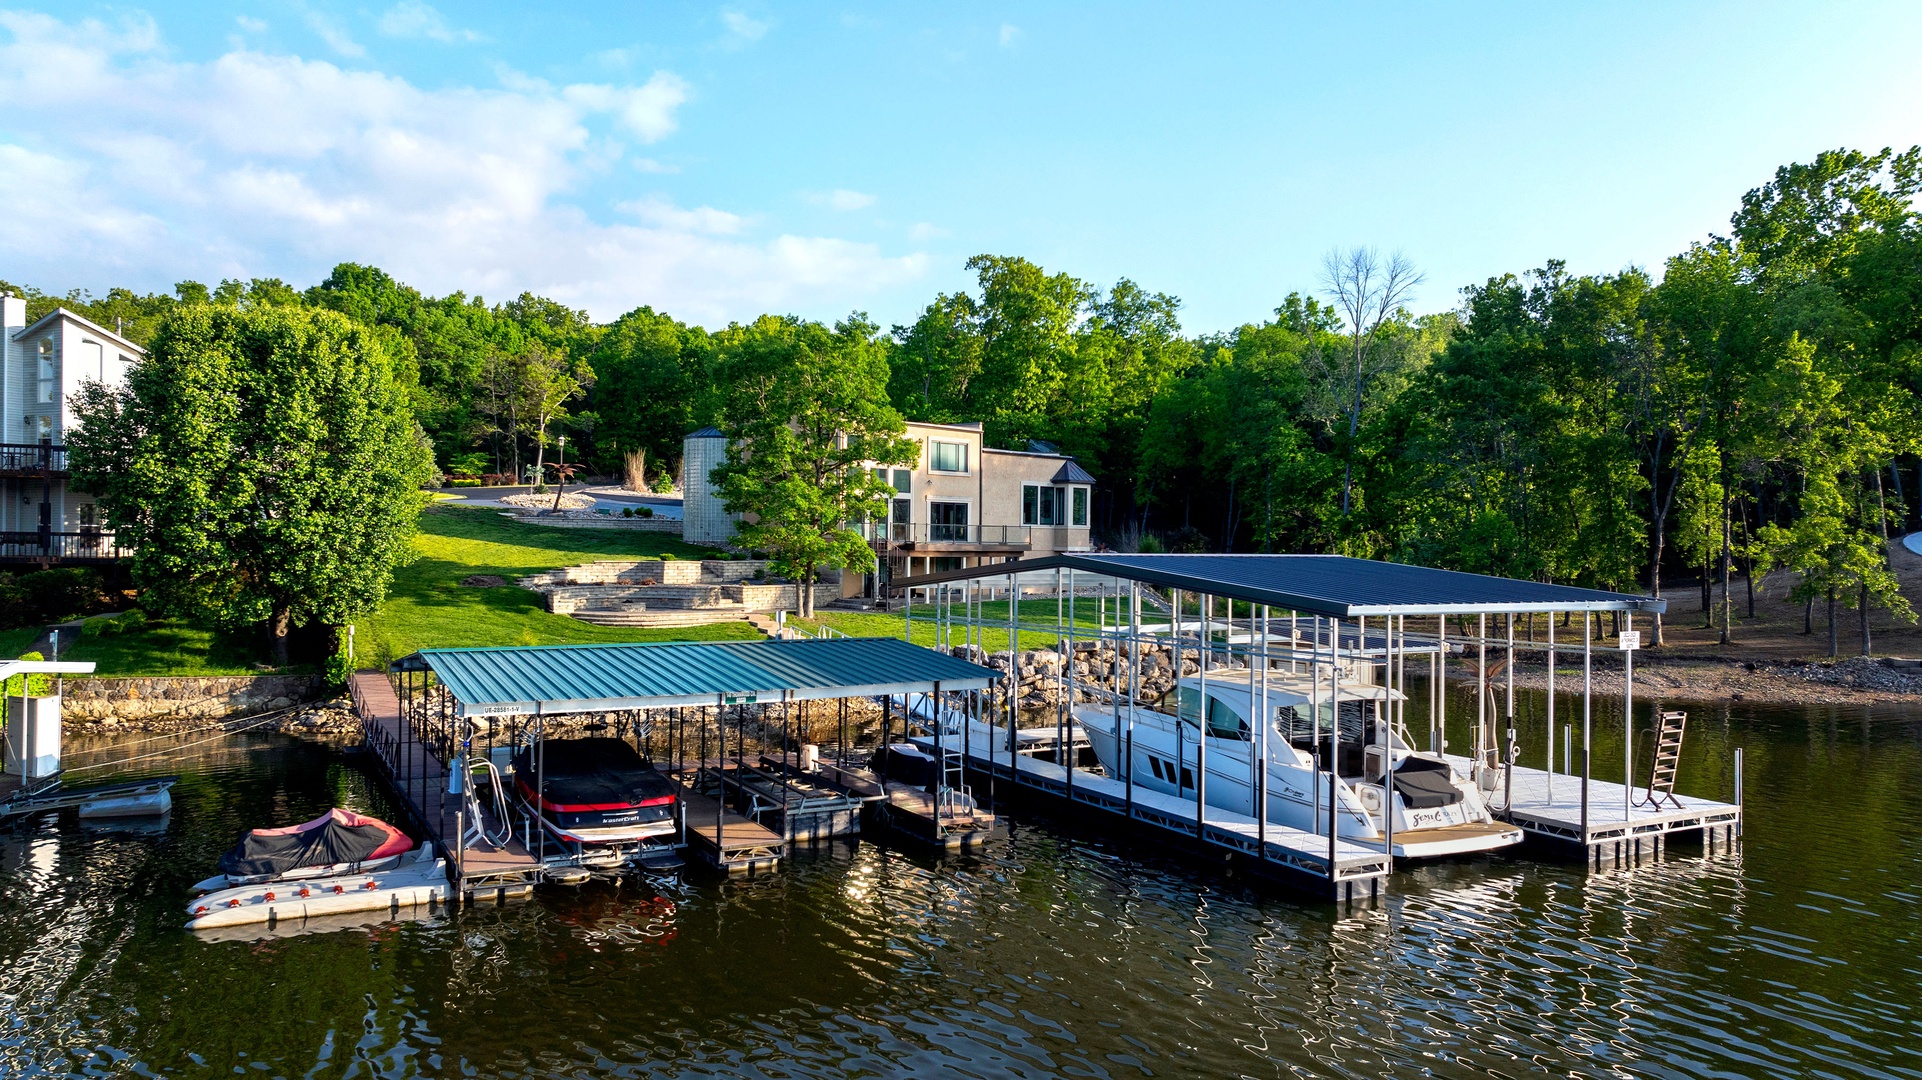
(596, 791)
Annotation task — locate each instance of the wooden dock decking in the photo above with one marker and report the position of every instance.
(727, 841)
(420, 779)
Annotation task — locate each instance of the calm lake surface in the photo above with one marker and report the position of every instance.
(1060, 952)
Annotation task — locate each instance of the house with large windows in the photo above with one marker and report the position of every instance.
(42, 366)
(962, 503)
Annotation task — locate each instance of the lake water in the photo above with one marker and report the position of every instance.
(1059, 952)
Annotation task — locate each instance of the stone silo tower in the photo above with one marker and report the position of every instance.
(703, 519)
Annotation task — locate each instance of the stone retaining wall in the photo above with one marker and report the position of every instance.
(146, 700)
(590, 520)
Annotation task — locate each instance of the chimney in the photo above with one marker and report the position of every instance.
(13, 375)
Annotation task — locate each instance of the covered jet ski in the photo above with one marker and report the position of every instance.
(338, 842)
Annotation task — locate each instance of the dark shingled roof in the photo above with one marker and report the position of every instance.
(552, 679)
(1071, 473)
(1332, 585)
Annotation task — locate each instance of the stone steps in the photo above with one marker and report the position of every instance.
(657, 618)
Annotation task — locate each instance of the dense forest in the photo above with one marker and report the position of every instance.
(1752, 405)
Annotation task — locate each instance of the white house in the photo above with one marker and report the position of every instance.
(42, 367)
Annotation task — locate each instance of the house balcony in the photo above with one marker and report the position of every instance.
(924, 538)
(47, 548)
(33, 461)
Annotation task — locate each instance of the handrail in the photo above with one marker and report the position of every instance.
(33, 457)
(32, 544)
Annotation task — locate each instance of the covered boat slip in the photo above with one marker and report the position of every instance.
(719, 720)
(1299, 859)
(1331, 629)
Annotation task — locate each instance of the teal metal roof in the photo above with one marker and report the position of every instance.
(553, 679)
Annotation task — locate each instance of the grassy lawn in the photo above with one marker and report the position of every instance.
(15, 642)
(168, 648)
(428, 606)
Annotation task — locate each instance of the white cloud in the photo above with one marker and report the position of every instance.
(649, 165)
(336, 38)
(1009, 32)
(647, 110)
(149, 169)
(923, 230)
(414, 19)
(743, 27)
(703, 219)
(841, 199)
(250, 24)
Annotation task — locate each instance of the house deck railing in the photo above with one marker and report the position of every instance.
(39, 546)
(32, 458)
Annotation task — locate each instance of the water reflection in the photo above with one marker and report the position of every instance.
(1060, 951)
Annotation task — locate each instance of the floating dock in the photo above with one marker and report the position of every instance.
(1301, 860)
(479, 872)
(1549, 809)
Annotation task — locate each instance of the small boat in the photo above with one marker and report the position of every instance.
(410, 883)
(596, 791)
(135, 804)
(1436, 812)
(335, 843)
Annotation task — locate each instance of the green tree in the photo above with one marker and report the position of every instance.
(261, 462)
(655, 384)
(806, 416)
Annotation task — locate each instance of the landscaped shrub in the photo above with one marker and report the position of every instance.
(627, 511)
(131, 621)
(464, 481)
(36, 685)
(645, 511)
(46, 596)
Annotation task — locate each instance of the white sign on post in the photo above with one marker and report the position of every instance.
(1631, 640)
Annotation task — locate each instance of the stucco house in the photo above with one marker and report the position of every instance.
(42, 366)
(962, 503)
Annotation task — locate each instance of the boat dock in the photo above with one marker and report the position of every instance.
(1621, 826)
(1301, 860)
(414, 771)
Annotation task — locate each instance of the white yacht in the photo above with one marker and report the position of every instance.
(1436, 811)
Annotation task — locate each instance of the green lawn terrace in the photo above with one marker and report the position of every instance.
(429, 607)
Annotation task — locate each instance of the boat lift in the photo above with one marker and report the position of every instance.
(32, 782)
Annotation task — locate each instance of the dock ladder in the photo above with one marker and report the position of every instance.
(1668, 758)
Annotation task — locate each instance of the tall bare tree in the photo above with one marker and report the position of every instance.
(1368, 289)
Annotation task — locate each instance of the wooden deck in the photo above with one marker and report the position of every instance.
(419, 778)
(727, 841)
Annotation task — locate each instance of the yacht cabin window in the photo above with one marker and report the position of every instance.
(1223, 721)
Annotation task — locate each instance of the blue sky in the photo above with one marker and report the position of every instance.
(717, 161)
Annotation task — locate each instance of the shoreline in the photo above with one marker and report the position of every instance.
(1854, 680)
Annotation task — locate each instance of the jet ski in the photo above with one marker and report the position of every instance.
(335, 843)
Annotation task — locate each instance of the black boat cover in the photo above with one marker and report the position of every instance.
(598, 781)
(338, 836)
(1424, 783)
(904, 763)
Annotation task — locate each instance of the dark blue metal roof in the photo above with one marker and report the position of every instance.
(1332, 585)
(550, 679)
(708, 432)
(1071, 473)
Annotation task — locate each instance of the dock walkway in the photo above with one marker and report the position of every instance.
(420, 779)
(1297, 857)
(1549, 808)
